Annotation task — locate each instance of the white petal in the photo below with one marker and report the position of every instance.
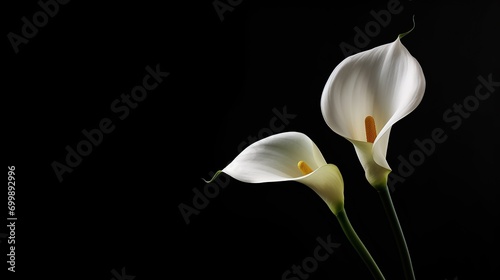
(385, 82)
(275, 158)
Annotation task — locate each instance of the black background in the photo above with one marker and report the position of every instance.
(119, 208)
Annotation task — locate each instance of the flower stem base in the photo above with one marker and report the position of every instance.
(386, 199)
(358, 245)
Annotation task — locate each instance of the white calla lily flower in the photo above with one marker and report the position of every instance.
(366, 94)
(293, 156)
(289, 156)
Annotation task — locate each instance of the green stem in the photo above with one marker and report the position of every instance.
(404, 254)
(358, 245)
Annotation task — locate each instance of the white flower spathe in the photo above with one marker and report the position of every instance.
(275, 159)
(385, 82)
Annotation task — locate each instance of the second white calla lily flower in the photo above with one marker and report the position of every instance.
(366, 94)
(289, 156)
